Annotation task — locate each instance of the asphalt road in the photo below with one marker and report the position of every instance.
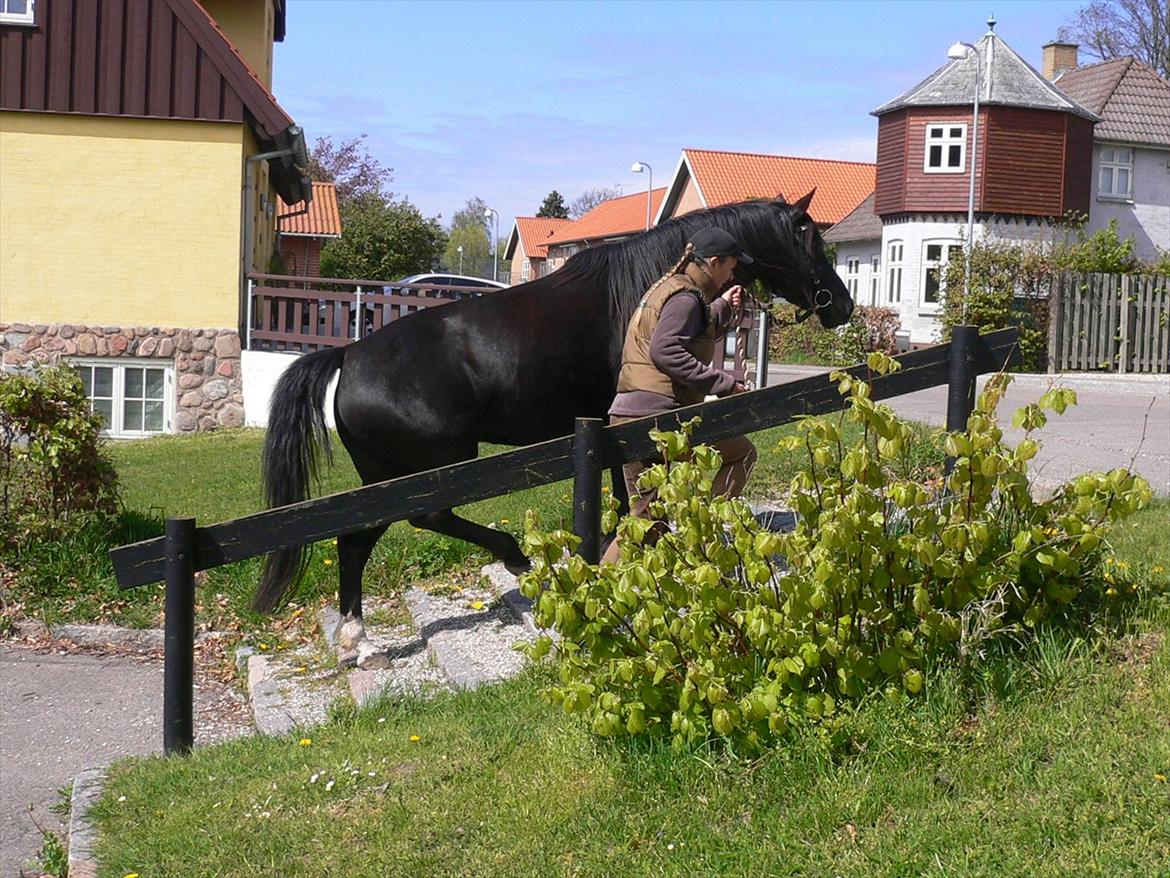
(1118, 420)
(62, 714)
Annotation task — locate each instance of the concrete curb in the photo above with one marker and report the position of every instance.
(148, 639)
(268, 709)
(87, 789)
(507, 586)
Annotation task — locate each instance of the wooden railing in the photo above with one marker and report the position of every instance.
(287, 313)
(186, 548)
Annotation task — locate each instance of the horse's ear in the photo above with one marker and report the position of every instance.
(803, 204)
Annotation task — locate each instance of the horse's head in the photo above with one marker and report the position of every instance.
(794, 267)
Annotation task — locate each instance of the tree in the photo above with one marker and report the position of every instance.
(553, 206)
(590, 198)
(469, 229)
(1140, 28)
(350, 168)
(383, 239)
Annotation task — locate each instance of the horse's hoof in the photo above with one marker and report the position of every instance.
(370, 658)
(518, 567)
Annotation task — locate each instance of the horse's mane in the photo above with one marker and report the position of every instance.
(626, 269)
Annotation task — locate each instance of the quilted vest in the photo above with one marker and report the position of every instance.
(638, 372)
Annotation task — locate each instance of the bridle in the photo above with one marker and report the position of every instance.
(822, 295)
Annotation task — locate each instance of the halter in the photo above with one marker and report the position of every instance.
(822, 295)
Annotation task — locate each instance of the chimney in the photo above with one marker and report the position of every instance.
(1058, 57)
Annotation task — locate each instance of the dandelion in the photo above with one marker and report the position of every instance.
(414, 739)
(477, 605)
(1109, 577)
(1160, 778)
(1159, 569)
(264, 646)
(328, 562)
(1109, 561)
(503, 521)
(302, 670)
(1111, 592)
(335, 541)
(1122, 565)
(130, 875)
(305, 742)
(605, 489)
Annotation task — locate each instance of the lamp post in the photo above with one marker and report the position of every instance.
(459, 249)
(957, 52)
(637, 168)
(488, 214)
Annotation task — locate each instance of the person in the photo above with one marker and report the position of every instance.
(668, 349)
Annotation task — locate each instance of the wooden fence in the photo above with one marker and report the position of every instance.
(186, 548)
(1112, 322)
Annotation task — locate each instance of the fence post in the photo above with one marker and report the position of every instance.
(357, 320)
(1123, 359)
(248, 319)
(762, 348)
(1055, 302)
(961, 381)
(179, 637)
(587, 487)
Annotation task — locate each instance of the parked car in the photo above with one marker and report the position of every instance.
(441, 284)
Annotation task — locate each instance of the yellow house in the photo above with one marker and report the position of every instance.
(141, 156)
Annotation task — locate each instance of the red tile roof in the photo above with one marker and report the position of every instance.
(323, 219)
(535, 233)
(611, 219)
(1131, 98)
(726, 177)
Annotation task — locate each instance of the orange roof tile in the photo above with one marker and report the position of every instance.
(618, 216)
(323, 219)
(726, 177)
(535, 233)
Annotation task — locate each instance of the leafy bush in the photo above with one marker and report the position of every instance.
(869, 329)
(51, 461)
(707, 632)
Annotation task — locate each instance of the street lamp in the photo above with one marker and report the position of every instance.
(637, 168)
(958, 52)
(488, 213)
(459, 249)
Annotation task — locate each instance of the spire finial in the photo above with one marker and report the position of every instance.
(991, 23)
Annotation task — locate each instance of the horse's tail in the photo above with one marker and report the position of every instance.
(292, 451)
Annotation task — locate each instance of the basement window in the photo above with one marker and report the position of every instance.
(18, 12)
(133, 398)
(946, 148)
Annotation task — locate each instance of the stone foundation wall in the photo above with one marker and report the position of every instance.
(208, 384)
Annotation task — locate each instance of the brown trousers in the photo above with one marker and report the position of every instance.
(739, 456)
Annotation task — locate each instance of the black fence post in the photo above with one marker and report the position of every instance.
(179, 661)
(961, 381)
(587, 487)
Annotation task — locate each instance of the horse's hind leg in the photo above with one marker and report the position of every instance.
(353, 553)
(500, 544)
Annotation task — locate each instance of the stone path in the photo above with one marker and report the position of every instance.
(457, 638)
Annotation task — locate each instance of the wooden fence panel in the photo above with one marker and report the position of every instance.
(1109, 322)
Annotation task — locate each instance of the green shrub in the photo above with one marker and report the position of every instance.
(52, 465)
(706, 633)
(869, 329)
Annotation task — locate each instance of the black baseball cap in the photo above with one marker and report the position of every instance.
(711, 241)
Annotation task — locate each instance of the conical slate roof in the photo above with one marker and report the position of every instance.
(1006, 80)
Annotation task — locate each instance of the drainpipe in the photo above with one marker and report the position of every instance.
(297, 150)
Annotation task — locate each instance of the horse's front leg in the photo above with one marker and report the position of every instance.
(353, 647)
(500, 544)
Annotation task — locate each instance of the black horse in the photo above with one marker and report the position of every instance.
(514, 367)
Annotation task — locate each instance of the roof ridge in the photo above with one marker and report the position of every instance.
(765, 155)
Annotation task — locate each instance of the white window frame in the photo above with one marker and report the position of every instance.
(526, 272)
(945, 141)
(28, 17)
(875, 278)
(948, 247)
(895, 250)
(1112, 163)
(116, 429)
(852, 272)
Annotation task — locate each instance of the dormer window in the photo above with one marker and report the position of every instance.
(946, 148)
(17, 12)
(1115, 177)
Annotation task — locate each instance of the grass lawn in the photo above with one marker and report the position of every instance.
(215, 477)
(1049, 762)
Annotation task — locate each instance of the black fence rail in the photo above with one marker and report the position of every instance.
(186, 548)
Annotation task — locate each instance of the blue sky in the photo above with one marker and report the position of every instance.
(510, 100)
